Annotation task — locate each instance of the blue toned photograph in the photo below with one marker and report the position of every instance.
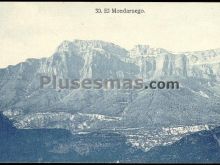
(92, 82)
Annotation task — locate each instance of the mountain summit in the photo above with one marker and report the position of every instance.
(195, 103)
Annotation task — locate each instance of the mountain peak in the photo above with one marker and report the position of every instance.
(87, 45)
(145, 50)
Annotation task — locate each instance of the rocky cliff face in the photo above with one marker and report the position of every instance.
(196, 102)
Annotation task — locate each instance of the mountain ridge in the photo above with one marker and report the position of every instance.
(29, 106)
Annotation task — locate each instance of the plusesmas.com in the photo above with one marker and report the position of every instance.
(87, 83)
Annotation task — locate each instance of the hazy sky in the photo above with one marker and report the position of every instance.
(36, 29)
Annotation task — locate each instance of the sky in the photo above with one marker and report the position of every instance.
(35, 29)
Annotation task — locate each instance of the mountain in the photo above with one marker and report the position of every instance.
(196, 103)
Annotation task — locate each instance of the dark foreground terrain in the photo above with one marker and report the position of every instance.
(57, 145)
